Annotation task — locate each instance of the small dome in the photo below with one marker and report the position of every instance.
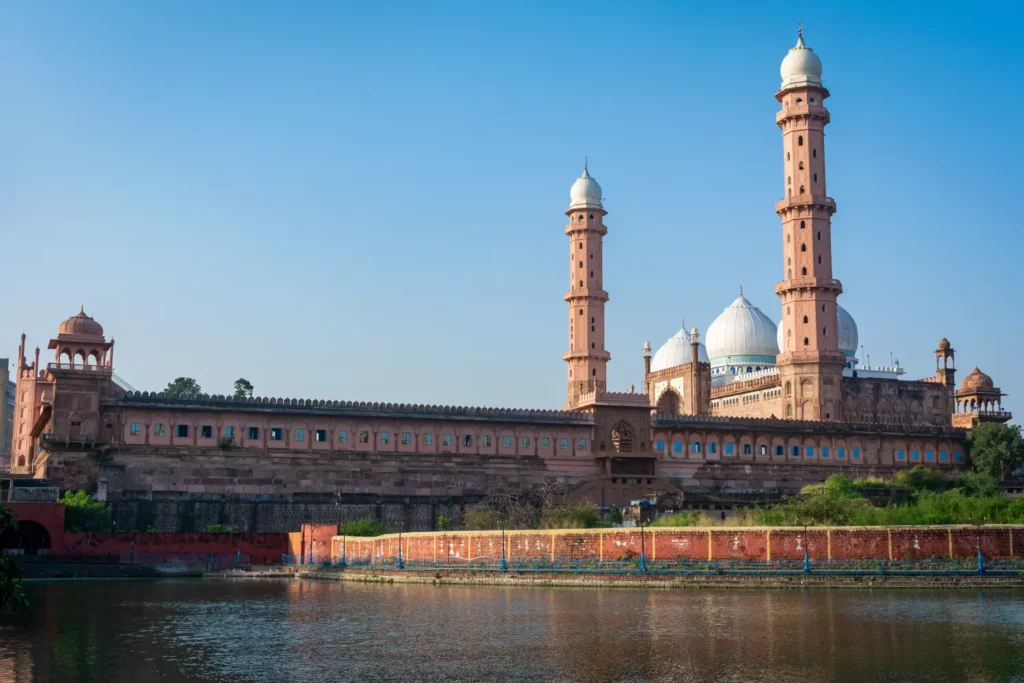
(801, 67)
(976, 380)
(80, 325)
(742, 332)
(849, 338)
(676, 351)
(944, 344)
(585, 192)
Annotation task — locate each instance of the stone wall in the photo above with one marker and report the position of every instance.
(742, 543)
(261, 548)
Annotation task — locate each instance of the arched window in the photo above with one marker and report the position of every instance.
(789, 410)
(805, 319)
(819, 235)
(591, 216)
(789, 389)
(787, 156)
(803, 271)
(814, 153)
(799, 101)
(824, 332)
(819, 259)
(803, 225)
(802, 190)
(801, 166)
(749, 369)
(789, 180)
(806, 341)
(581, 264)
(800, 140)
(803, 247)
(787, 239)
(593, 373)
(815, 177)
(622, 437)
(789, 274)
(824, 308)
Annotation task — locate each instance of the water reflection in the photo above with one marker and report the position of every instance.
(253, 631)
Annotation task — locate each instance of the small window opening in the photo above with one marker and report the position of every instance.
(800, 140)
(806, 341)
(805, 319)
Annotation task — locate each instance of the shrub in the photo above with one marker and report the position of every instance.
(362, 527)
(921, 478)
(219, 529)
(444, 523)
(977, 484)
(82, 513)
(686, 518)
(572, 516)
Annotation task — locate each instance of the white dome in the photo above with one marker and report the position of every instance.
(676, 351)
(801, 66)
(742, 333)
(585, 192)
(849, 339)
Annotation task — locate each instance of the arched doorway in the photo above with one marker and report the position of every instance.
(27, 537)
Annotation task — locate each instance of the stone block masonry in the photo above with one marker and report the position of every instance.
(715, 543)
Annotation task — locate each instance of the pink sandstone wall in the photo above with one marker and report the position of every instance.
(896, 543)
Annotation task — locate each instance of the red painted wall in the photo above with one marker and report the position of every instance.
(261, 548)
(716, 543)
(50, 515)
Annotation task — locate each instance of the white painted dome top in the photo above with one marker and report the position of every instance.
(849, 339)
(801, 67)
(741, 333)
(676, 351)
(585, 192)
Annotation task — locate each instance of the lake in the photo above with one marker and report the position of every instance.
(278, 630)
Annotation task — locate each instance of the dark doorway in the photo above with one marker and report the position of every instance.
(29, 537)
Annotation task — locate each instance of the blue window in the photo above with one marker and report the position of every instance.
(695, 447)
(856, 453)
(942, 456)
(957, 457)
(712, 447)
(780, 450)
(915, 454)
(809, 451)
(824, 451)
(840, 452)
(728, 448)
(677, 446)
(660, 445)
(795, 451)
(900, 455)
(581, 444)
(929, 455)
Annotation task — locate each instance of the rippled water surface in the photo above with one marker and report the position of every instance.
(196, 630)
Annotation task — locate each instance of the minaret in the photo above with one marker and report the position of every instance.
(810, 362)
(587, 358)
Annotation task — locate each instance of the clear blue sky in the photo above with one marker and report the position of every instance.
(364, 201)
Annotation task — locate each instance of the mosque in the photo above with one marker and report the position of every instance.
(753, 406)
(806, 366)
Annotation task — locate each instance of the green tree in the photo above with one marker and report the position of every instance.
(11, 595)
(82, 513)
(183, 387)
(362, 527)
(243, 388)
(996, 448)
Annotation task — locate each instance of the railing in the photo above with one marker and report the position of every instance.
(79, 366)
(685, 567)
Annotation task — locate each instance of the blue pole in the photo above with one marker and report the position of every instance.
(343, 562)
(981, 563)
(238, 557)
(807, 563)
(310, 553)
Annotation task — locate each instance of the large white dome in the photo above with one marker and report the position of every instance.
(676, 351)
(585, 192)
(849, 339)
(801, 67)
(740, 334)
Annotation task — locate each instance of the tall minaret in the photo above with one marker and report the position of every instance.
(809, 361)
(587, 358)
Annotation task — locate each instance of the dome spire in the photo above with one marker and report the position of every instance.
(586, 171)
(741, 291)
(800, 33)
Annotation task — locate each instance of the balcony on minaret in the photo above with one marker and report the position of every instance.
(816, 111)
(791, 284)
(788, 203)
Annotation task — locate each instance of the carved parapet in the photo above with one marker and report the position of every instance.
(145, 399)
(662, 421)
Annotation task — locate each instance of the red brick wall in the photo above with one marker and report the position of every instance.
(702, 544)
(261, 548)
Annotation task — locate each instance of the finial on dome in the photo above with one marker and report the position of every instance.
(800, 33)
(741, 290)
(81, 310)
